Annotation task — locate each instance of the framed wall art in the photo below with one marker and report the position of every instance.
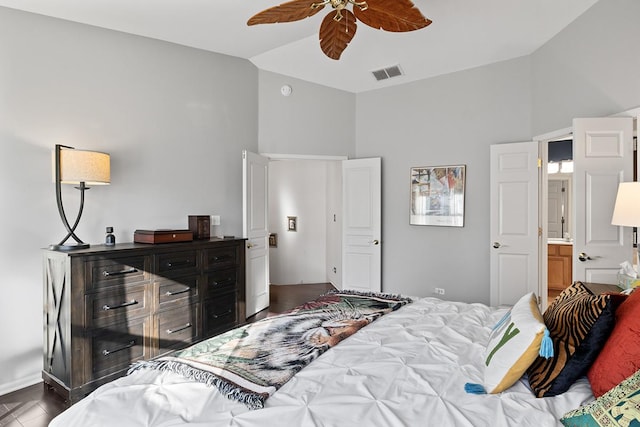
(437, 195)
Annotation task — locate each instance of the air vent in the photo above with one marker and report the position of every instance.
(387, 73)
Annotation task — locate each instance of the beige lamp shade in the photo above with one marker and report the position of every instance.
(90, 167)
(627, 208)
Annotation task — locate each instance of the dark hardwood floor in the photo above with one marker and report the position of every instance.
(35, 406)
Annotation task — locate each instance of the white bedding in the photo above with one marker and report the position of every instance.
(407, 368)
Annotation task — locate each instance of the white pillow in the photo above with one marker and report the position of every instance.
(513, 345)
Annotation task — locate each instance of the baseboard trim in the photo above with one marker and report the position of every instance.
(20, 384)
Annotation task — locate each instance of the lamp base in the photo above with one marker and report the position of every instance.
(68, 247)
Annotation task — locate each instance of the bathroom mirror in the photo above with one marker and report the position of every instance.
(560, 186)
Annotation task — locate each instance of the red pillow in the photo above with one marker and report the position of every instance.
(620, 356)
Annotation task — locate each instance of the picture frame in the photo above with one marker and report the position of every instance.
(273, 240)
(437, 195)
(292, 223)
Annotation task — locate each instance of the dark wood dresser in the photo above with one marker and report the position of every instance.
(108, 306)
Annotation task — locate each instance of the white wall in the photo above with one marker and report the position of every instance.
(298, 188)
(174, 119)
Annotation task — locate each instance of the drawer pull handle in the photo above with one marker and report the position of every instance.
(124, 347)
(172, 293)
(171, 264)
(219, 258)
(171, 331)
(223, 282)
(119, 273)
(107, 307)
(215, 316)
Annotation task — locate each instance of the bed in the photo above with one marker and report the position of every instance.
(407, 368)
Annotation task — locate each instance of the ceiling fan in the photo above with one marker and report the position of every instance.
(339, 26)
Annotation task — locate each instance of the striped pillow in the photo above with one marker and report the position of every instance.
(579, 324)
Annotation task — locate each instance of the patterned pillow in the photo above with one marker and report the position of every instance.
(620, 356)
(513, 344)
(579, 324)
(620, 406)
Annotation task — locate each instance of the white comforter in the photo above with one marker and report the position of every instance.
(407, 368)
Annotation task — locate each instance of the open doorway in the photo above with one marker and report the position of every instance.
(560, 219)
(352, 245)
(305, 205)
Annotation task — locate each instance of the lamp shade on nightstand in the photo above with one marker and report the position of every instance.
(627, 208)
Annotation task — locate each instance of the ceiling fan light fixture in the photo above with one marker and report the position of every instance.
(389, 15)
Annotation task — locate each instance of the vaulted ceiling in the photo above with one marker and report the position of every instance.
(464, 34)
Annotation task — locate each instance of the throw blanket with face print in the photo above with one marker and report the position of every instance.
(250, 363)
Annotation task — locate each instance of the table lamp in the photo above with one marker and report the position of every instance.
(626, 211)
(81, 168)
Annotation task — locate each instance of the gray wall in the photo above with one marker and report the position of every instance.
(448, 120)
(174, 119)
(313, 120)
(590, 69)
(587, 70)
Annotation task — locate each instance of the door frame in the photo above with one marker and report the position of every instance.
(312, 157)
(543, 213)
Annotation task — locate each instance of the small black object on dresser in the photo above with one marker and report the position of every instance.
(110, 239)
(106, 307)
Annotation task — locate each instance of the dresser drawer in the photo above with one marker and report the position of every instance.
(219, 313)
(178, 327)
(220, 281)
(117, 305)
(117, 271)
(182, 290)
(183, 263)
(221, 258)
(116, 347)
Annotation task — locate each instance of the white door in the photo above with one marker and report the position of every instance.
(602, 158)
(557, 219)
(514, 222)
(255, 229)
(361, 237)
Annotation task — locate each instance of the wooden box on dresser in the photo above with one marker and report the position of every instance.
(106, 307)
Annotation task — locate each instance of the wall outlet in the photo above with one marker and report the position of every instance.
(438, 291)
(215, 219)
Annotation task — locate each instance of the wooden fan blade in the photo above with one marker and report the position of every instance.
(392, 15)
(286, 12)
(336, 35)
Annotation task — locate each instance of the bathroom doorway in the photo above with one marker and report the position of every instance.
(559, 216)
